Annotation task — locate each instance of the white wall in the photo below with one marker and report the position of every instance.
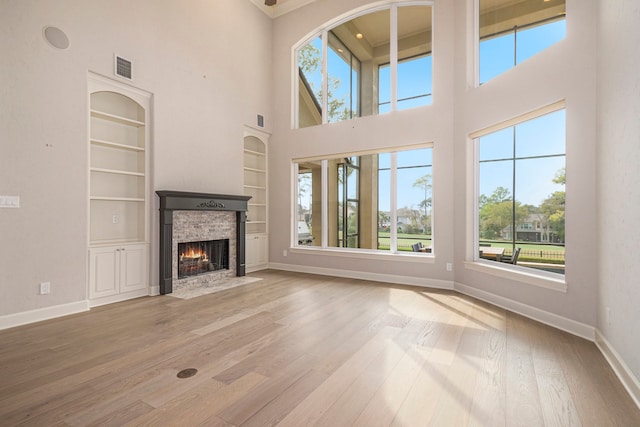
(619, 178)
(565, 71)
(208, 66)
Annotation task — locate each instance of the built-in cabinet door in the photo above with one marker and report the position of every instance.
(133, 268)
(257, 255)
(262, 244)
(251, 252)
(117, 270)
(104, 272)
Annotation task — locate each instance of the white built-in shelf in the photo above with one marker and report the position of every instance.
(117, 171)
(118, 161)
(255, 186)
(115, 118)
(117, 199)
(116, 145)
(257, 153)
(111, 242)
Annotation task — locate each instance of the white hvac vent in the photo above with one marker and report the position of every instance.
(122, 67)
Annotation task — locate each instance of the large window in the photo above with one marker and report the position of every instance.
(380, 201)
(521, 193)
(359, 68)
(512, 31)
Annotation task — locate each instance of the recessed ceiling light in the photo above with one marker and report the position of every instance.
(359, 36)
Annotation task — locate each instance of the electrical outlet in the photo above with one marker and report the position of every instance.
(284, 252)
(115, 219)
(449, 266)
(45, 288)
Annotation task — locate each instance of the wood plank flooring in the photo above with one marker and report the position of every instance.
(298, 350)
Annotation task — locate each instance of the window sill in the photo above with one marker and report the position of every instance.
(518, 275)
(365, 254)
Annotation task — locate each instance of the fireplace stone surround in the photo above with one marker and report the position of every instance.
(172, 202)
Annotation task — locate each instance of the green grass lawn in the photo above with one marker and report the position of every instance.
(404, 240)
(530, 251)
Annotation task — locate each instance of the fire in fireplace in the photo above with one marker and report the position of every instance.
(195, 258)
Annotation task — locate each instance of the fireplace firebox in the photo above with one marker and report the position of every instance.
(196, 258)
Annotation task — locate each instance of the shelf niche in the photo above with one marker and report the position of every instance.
(255, 186)
(118, 182)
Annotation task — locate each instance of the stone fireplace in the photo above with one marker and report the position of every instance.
(202, 238)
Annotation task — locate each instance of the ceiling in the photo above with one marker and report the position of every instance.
(282, 7)
(491, 6)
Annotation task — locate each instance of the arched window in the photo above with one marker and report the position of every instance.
(374, 62)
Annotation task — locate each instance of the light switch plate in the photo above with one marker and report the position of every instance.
(9, 201)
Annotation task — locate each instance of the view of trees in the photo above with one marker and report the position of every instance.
(424, 183)
(501, 216)
(310, 61)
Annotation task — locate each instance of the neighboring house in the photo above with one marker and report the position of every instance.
(532, 229)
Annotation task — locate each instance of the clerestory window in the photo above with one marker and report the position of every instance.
(511, 31)
(372, 63)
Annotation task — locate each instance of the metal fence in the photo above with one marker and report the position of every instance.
(535, 253)
(524, 253)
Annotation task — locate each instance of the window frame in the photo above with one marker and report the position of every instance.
(324, 247)
(472, 261)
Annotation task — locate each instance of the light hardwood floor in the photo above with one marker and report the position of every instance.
(297, 349)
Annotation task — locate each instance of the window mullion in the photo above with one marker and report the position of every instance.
(515, 46)
(393, 195)
(393, 57)
(513, 196)
(294, 205)
(325, 76)
(324, 204)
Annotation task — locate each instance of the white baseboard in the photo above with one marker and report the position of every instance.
(365, 275)
(119, 297)
(628, 379)
(25, 317)
(559, 322)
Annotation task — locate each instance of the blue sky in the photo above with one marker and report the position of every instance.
(408, 173)
(542, 136)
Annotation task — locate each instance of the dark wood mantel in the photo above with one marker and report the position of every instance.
(186, 201)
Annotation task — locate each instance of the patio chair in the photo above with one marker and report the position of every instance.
(416, 247)
(511, 259)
